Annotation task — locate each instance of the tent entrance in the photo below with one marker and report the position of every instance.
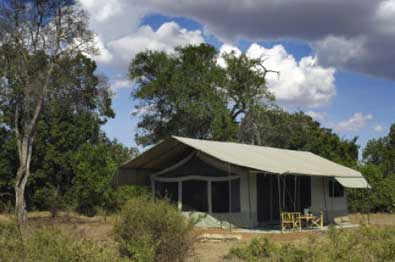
(286, 193)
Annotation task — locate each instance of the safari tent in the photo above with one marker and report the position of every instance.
(242, 185)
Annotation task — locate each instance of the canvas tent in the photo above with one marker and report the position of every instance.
(244, 185)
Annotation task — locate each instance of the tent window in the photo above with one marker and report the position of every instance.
(220, 196)
(168, 190)
(194, 195)
(335, 189)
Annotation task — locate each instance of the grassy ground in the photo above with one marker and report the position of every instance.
(100, 229)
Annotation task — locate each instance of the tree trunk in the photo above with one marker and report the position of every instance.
(25, 152)
(20, 204)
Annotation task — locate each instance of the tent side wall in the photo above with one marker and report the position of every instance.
(246, 218)
(131, 176)
(321, 201)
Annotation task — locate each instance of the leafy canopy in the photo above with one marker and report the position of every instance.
(189, 94)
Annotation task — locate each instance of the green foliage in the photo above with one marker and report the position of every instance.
(381, 152)
(117, 197)
(379, 169)
(380, 198)
(360, 245)
(68, 129)
(296, 131)
(49, 245)
(189, 94)
(94, 166)
(8, 165)
(150, 231)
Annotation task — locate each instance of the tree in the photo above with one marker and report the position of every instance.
(381, 152)
(66, 124)
(94, 167)
(189, 94)
(35, 36)
(297, 131)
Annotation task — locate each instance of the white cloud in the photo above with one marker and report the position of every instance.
(355, 123)
(378, 128)
(318, 116)
(102, 10)
(166, 38)
(354, 35)
(304, 83)
(227, 49)
(104, 55)
(341, 24)
(385, 16)
(120, 83)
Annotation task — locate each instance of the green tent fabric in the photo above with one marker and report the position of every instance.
(263, 159)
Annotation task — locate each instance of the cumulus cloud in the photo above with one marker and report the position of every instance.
(119, 83)
(354, 34)
(166, 38)
(378, 128)
(318, 116)
(355, 123)
(300, 83)
(104, 55)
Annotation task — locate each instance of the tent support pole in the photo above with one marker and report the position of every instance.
(279, 198)
(249, 200)
(230, 195)
(295, 188)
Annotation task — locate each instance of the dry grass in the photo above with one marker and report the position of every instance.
(94, 228)
(100, 229)
(377, 219)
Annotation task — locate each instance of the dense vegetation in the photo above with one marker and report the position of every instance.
(363, 244)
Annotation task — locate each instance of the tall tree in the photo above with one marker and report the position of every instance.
(296, 131)
(188, 93)
(381, 152)
(35, 36)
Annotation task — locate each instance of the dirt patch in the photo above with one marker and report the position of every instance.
(377, 219)
(247, 236)
(210, 251)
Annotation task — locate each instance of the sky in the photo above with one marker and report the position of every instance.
(336, 58)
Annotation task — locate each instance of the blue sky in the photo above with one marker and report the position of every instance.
(345, 94)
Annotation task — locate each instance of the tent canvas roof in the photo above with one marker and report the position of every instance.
(263, 159)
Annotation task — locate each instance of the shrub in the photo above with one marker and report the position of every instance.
(49, 245)
(115, 198)
(150, 231)
(364, 244)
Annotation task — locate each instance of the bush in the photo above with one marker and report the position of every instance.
(49, 245)
(363, 244)
(150, 231)
(116, 197)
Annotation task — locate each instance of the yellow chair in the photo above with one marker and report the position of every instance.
(291, 220)
(318, 221)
